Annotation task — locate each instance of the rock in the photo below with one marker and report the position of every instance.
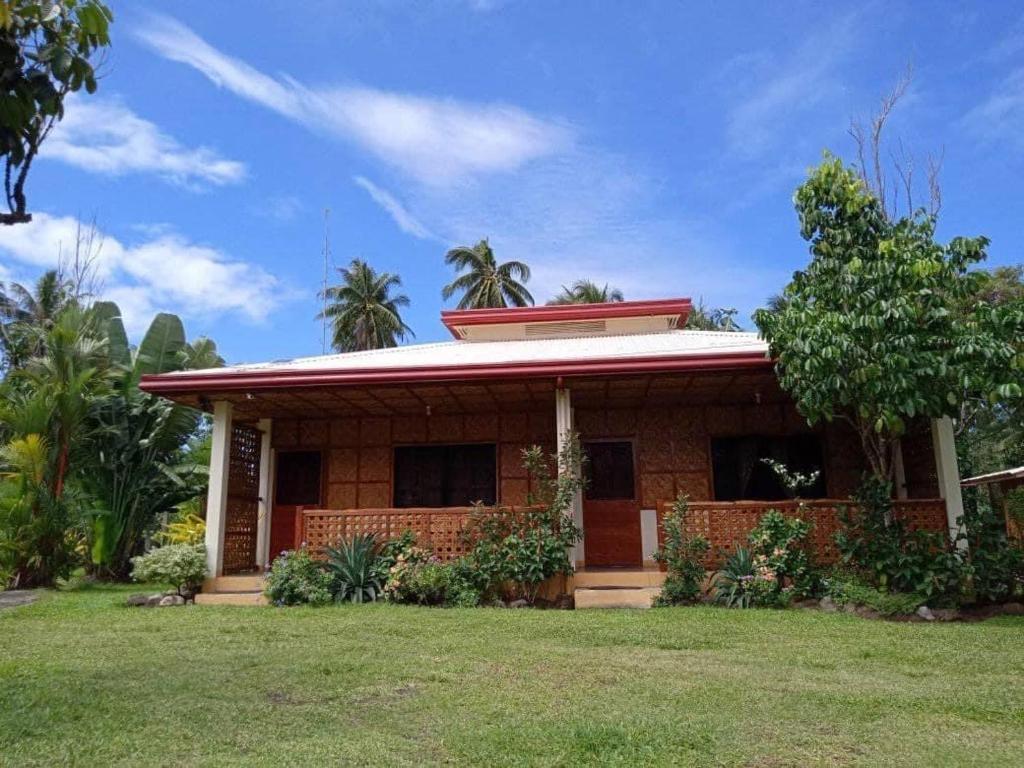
(806, 604)
(867, 613)
(925, 613)
(154, 600)
(519, 604)
(1013, 609)
(850, 608)
(169, 600)
(827, 604)
(946, 614)
(138, 600)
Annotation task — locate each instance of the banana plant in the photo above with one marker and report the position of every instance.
(141, 466)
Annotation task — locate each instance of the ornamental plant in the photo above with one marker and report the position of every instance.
(781, 558)
(885, 324)
(683, 557)
(183, 566)
(297, 578)
(516, 551)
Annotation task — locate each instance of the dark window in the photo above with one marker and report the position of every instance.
(741, 473)
(298, 478)
(610, 471)
(445, 475)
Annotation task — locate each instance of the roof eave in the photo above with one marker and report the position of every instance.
(264, 380)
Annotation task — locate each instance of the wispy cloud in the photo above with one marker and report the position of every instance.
(405, 220)
(105, 136)
(435, 140)
(163, 272)
(999, 117)
(769, 92)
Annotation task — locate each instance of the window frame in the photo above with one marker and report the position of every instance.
(396, 447)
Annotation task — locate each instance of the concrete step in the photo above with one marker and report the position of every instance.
(616, 597)
(615, 578)
(231, 598)
(246, 583)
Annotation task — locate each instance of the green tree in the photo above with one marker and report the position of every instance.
(485, 283)
(587, 292)
(363, 311)
(883, 325)
(141, 465)
(705, 318)
(46, 52)
(44, 416)
(24, 311)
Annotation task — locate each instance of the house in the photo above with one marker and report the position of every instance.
(1002, 486)
(313, 449)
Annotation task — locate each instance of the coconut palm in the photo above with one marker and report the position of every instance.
(705, 318)
(485, 283)
(364, 313)
(587, 292)
(25, 308)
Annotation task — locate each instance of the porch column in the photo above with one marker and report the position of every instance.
(564, 428)
(899, 470)
(217, 495)
(947, 471)
(266, 494)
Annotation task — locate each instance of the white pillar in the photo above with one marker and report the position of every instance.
(217, 495)
(266, 494)
(947, 471)
(899, 470)
(564, 428)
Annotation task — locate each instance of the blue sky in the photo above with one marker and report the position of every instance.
(651, 145)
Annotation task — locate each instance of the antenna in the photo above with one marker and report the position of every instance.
(327, 258)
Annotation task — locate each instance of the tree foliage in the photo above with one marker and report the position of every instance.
(363, 310)
(705, 318)
(46, 52)
(587, 292)
(484, 282)
(884, 325)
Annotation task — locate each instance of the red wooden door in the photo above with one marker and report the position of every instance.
(298, 484)
(611, 510)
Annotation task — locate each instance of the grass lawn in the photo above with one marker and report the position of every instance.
(87, 681)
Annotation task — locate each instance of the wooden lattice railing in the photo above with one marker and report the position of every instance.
(440, 530)
(726, 524)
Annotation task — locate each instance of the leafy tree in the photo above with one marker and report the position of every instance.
(44, 417)
(587, 292)
(363, 311)
(485, 283)
(46, 52)
(24, 311)
(705, 318)
(141, 465)
(883, 325)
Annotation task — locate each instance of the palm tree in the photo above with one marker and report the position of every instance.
(23, 309)
(486, 283)
(587, 292)
(705, 318)
(363, 312)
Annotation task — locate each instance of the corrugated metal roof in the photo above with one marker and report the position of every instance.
(670, 344)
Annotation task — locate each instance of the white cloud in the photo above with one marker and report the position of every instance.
(281, 208)
(405, 220)
(106, 137)
(163, 272)
(434, 140)
(1000, 117)
(769, 92)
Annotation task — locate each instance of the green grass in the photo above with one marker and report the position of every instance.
(87, 681)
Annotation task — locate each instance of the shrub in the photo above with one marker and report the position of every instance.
(184, 528)
(683, 558)
(296, 578)
(352, 565)
(520, 550)
(879, 547)
(181, 565)
(994, 567)
(779, 548)
(845, 589)
(432, 582)
(388, 555)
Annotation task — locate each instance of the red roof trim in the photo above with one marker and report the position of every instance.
(459, 318)
(170, 384)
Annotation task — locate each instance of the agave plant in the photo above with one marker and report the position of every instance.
(733, 583)
(352, 566)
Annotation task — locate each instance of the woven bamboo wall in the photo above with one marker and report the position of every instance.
(727, 524)
(358, 451)
(243, 500)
